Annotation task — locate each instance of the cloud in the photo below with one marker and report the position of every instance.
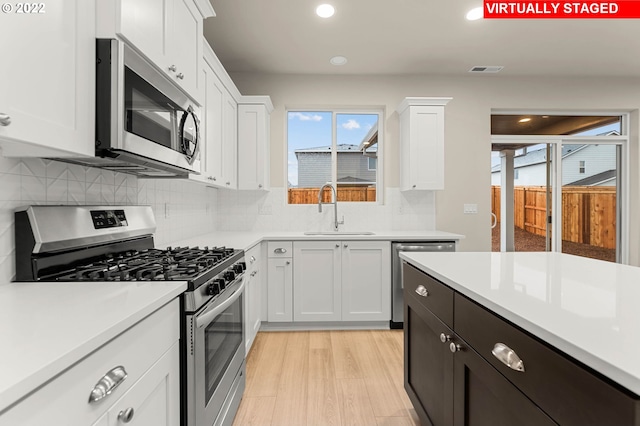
(304, 117)
(351, 124)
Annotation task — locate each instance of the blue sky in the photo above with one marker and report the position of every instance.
(312, 129)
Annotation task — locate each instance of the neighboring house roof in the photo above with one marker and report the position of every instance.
(351, 179)
(538, 156)
(594, 180)
(344, 147)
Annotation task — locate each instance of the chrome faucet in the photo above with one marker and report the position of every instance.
(335, 205)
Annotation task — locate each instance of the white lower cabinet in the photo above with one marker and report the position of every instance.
(252, 295)
(317, 281)
(148, 396)
(342, 281)
(279, 281)
(366, 280)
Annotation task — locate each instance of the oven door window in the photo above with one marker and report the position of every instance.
(149, 113)
(222, 338)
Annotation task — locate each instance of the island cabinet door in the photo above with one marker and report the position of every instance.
(428, 364)
(484, 397)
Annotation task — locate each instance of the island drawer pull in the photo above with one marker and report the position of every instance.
(280, 250)
(508, 357)
(108, 383)
(422, 291)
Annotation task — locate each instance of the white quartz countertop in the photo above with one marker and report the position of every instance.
(246, 240)
(587, 308)
(47, 327)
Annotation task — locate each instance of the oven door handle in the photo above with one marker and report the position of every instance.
(213, 311)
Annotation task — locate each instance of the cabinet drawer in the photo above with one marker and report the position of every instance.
(279, 249)
(438, 297)
(566, 391)
(64, 400)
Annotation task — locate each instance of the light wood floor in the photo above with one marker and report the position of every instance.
(326, 378)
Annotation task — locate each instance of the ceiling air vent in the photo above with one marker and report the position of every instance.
(486, 69)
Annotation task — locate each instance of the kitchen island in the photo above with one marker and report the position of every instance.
(532, 338)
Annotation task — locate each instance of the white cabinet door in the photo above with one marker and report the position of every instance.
(185, 46)
(146, 25)
(422, 143)
(253, 144)
(155, 398)
(280, 290)
(47, 94)
(230, 141)
(211, 125)
(366, 280)
(317, 291)
(169, 33)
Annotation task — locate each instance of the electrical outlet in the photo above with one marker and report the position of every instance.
(470, 209)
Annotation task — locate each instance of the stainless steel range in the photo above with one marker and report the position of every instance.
(107, 243)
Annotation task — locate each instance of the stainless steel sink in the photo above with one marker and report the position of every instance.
(339, 233)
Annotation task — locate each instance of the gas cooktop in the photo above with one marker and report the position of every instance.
(180, 263)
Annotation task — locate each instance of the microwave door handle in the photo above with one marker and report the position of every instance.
(213, 311)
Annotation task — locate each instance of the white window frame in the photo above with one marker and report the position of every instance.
(334, 154)
(582, 167)
(623, 214)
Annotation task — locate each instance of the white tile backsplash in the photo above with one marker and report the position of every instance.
(184, 209)
(401, 211)
(191, 206)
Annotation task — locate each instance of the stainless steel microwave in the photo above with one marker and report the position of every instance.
(145, 125)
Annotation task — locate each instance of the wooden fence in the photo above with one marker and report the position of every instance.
(588, 213)
(345, 193)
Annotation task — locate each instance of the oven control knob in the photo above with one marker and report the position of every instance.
(213, 289)
(220, 282)
(229, 275)
(237, 268)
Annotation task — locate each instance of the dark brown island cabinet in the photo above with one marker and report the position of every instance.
(453, 377)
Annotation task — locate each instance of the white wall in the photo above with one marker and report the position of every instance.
(467, 127)
(191, 207)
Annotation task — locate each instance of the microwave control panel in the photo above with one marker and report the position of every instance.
(108, 218)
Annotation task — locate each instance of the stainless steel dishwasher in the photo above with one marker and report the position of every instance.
(397, 304)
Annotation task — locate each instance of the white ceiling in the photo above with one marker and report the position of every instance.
(414, 37)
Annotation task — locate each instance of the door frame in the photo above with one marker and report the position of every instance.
(622, 183)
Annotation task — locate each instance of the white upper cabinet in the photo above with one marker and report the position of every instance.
(422, 143)
(219, 123)
(254, 115)
(168, 32)
(47, 94)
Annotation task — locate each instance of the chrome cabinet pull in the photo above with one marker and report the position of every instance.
(108, 383)
(172, 68)
(253, 274)
(454, 347)
(508, 357)
(126, 415)
(180, 76)
(259, 185)
(444, 337)
(5, 119)
(422, 291)
(253, 259)
(280, 250)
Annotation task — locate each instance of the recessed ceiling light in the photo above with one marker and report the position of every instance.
(475, 14)
(325, 11)
(524, 120)
(338, 60)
